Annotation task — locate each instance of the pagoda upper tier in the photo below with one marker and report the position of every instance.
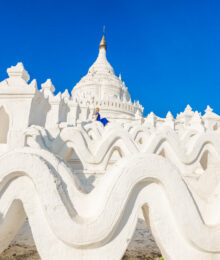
(101, 84)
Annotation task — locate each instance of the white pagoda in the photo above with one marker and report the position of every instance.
(102, 88)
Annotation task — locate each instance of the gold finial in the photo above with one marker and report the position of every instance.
(103, 42)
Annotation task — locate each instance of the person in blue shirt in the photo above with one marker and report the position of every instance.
(103, 120)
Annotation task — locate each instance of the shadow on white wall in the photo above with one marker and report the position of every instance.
(4, 119)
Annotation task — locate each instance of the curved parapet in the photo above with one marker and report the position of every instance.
(92, 226)
(184, 151)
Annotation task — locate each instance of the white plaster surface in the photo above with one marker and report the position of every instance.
(83, 186)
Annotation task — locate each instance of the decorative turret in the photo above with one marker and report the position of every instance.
(48, 88)
(211, 119)
(18, 71)
(21, 104)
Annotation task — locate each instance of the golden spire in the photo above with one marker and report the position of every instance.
(103, 42)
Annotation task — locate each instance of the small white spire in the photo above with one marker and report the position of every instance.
(188, 108)
(48, 85)
(66, 94)
(208, 109)
(169, 115)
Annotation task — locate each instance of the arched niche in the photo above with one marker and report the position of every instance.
(4, 126)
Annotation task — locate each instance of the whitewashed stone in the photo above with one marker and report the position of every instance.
(83, 186)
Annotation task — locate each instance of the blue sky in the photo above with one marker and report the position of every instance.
(168, 52)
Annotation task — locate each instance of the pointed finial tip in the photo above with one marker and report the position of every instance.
(103, 42)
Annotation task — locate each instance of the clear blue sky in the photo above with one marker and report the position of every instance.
(168, 52)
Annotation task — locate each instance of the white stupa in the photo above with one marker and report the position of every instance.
(100, 87)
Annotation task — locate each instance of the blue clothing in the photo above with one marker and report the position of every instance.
(103, 120)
